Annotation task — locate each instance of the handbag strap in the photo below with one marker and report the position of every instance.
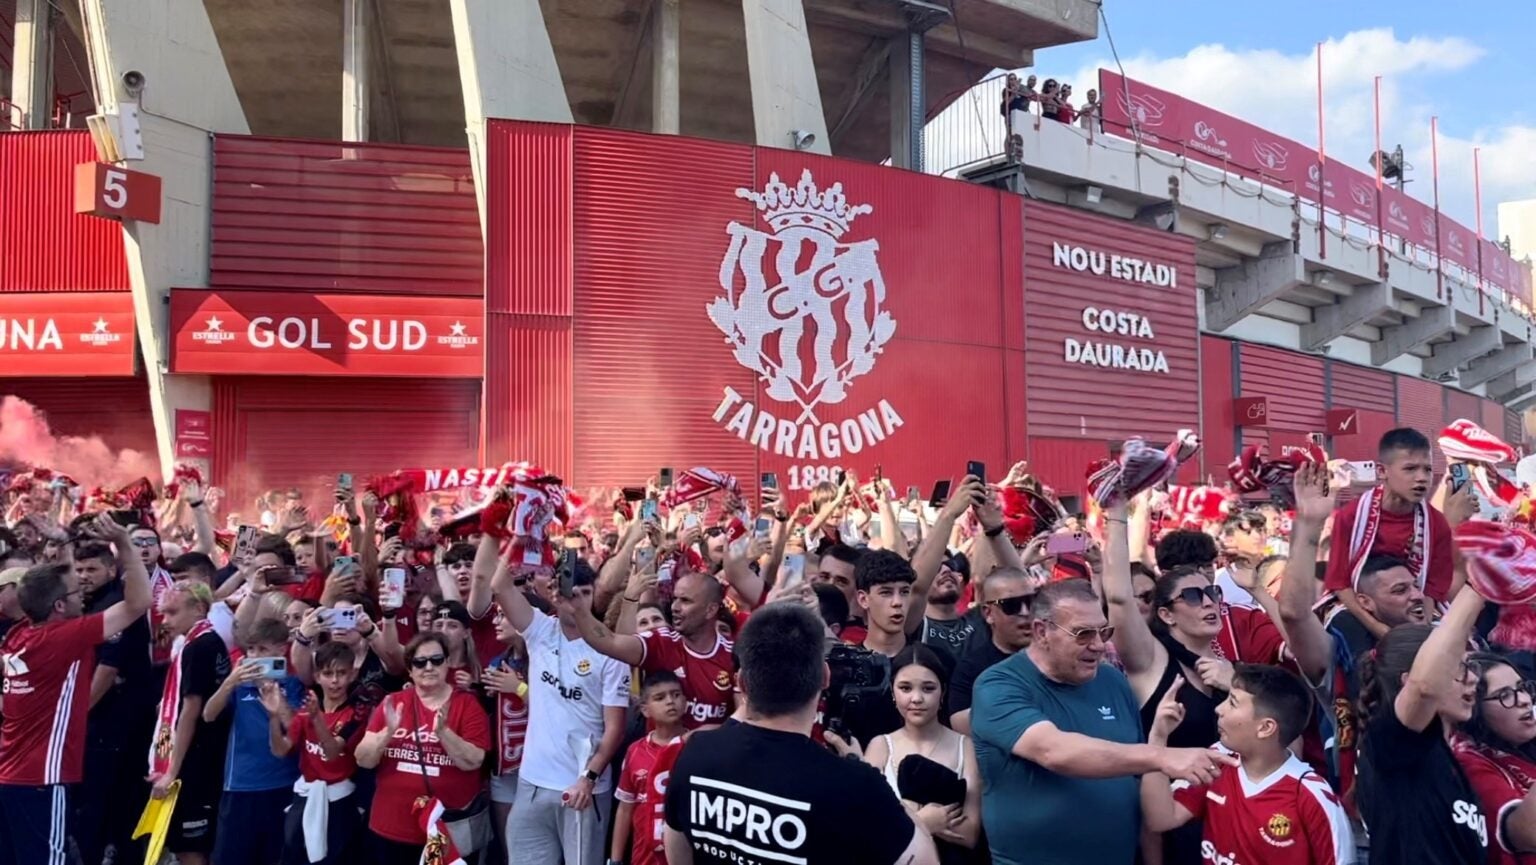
(415, 699)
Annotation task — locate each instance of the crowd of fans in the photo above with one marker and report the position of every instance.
(1052, 101)
(679, 675)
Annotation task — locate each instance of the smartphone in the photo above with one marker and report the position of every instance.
(1072, 505)
(841, 477)
(271, 668)
(344, 563)
(566, 574)
(1073, 542)
(761, 528)
(644, 557)
(344, 482)
(665, 570)
(634, 494)
(770, 480)
(940, 494)
(1460, 476)
(127, 518)
(245, 543)
(977, 469)
(282, 575)
(648, 510)
(792, 570)
(392, 592)
(913, 493)
(879, 477)
(334, 619)
(1363, 472)
(664, 477)
(691, 521)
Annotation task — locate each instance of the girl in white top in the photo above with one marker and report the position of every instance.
(918, 687)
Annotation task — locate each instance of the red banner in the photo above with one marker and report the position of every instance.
(66, 334)
(194, 433)
(279, 333)
(1201, 133)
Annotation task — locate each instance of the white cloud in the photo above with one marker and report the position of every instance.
(1278, 91)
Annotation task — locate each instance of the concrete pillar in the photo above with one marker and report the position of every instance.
(172, 44)
(356, 40)
(32, 65)
(507, 70)
(900, 79)
(666, 84)
(785, 95)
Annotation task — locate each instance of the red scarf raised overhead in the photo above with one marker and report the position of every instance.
(170, 704)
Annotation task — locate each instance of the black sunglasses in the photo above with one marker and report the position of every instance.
(421, 662)
(1013, 606)
(1195, 595)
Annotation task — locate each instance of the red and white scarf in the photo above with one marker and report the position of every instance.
(1465, 441)
(439, 849)
(1368, 524)
(698, 482)
(170, 704)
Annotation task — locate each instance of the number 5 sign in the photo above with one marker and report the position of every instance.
(116, 193)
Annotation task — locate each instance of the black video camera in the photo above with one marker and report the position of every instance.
(860, 680)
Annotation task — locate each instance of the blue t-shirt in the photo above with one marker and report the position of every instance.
(249, 765)
(1032, 814)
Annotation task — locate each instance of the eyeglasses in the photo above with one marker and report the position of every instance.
(1084, 636)
(421, 662)
(1012, 606)
(146, 542)
(1196, 595)
(1509, 697)
(1468, 670)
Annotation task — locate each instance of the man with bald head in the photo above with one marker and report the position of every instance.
(693, 648)
(1004, 598)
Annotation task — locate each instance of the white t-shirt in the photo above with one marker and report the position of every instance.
(569, 685)
(1231, 592)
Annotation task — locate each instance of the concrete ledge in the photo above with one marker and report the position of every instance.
(1241, 291)
(1331, 322)
(1505, 360)
(1451, 356)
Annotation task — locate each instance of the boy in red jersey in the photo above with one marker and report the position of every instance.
(642, 792)
(1272, 808)
(48, 662)
(324, 821)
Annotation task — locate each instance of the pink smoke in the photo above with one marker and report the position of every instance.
(26, 438)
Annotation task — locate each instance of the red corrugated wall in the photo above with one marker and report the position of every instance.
(272, 431)
(1216, 391)
(529, 400)
(1293, 384)
(1069, 399)
(1514, 428)
(44, 244)
(1460, 404)
(1421, 405)
(327, 216)
(116, 409)
(1372, 394)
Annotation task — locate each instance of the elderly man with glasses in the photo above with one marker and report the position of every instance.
(1058, 738)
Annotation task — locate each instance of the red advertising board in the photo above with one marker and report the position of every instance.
(281, 333)
(1168, 121)
(758, 310)
(1251, 410)
(66, 334)
(194, 434)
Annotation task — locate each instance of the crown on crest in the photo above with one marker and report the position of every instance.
(805, 205)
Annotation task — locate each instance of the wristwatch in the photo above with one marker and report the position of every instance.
(995, 530)
(589, 775)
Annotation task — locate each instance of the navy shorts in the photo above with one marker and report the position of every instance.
(250, 827)
(36, 824)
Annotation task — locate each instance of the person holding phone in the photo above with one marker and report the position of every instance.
(258, 785)
(47, 658)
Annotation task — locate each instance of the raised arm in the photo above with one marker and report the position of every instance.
(1139, 650)
(508, 595)
(137, 596)
(202, 522)
(1308, 640)
(627, 648)
(931, 553)
(1434, 667)
(615, 571)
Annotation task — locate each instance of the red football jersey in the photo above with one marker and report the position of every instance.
(511, 723)
(1394, 536)
(644, 784)
(1289, 818)
(708, 680)
(348, 724)
(1501, 780)
(47, 689)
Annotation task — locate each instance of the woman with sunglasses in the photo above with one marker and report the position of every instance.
(427, 742)
(1179, 643)
(1413, 796)
(1496, 748)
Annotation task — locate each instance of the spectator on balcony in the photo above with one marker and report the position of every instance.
(1015, 98)
(1090, 116)
(1050, 99)
(1065, 112)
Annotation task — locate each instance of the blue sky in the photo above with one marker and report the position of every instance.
(1472, 67)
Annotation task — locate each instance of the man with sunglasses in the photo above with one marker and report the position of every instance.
(1058, 736)
(1005, 596)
